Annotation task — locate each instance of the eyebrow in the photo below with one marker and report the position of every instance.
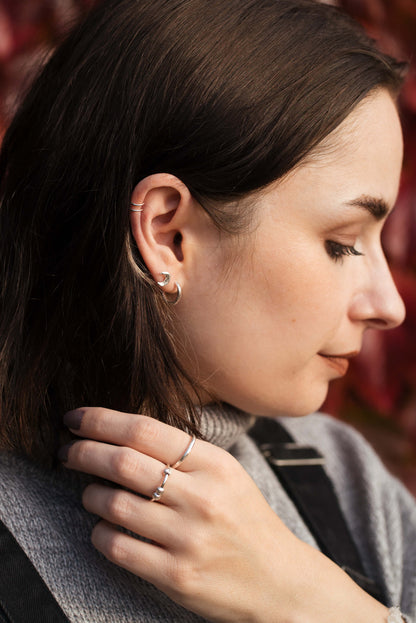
(378, 208)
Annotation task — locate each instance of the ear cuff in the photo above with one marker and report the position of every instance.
(139, 205)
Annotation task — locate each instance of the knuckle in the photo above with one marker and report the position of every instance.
(181, 575)
(118, 505)
(124, 463)
(214, 507)
(116, 548)
(208, 507)
(144, 429)
(224, 462)
(110, 543)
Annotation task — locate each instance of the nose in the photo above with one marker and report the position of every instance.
(378, 303)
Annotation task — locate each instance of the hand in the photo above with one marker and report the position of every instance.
(217, 548)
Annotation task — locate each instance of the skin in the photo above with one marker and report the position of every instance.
(254, 331)
(257, 334)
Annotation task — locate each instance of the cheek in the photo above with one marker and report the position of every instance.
(305, 299)
(297, 287)
(281, 306)
(255, 337)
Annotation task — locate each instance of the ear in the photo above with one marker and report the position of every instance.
(166, 228)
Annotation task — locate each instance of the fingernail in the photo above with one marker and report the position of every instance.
(64, 451)
(73, 419)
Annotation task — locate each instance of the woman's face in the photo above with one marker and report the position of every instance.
(271, 329)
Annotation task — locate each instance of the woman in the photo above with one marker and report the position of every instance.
(192, 200)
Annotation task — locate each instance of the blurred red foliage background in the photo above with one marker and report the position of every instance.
(28, 31)
(379, 394)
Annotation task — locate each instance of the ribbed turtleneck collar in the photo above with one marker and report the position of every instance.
(222, 424)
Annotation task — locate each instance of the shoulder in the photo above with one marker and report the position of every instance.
(350, 460)
(320, 428)
(381, 513)
(343, 447)
(370, 495)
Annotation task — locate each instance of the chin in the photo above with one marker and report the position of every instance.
(306, 402)
(302, 394)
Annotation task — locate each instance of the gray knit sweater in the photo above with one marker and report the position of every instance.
(44, 512)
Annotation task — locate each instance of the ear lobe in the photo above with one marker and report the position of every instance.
(159, 228)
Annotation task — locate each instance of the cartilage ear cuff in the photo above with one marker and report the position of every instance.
(139, 205)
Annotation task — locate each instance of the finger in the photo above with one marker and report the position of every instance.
(146, 560)
(123, 508)
(142, 433)
(127, 467)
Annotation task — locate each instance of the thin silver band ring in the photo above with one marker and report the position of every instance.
(157, 493)
(186, 453)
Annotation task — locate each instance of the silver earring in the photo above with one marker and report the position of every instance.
(139, 205)
(165, 281)
(178, 294)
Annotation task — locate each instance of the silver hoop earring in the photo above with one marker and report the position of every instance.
(165, 281)
(178, 294)
(138, 205)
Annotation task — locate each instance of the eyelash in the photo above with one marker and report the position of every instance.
(337, 251)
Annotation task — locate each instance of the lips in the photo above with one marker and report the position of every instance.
(339, 363)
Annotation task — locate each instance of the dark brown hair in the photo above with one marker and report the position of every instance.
(228, 95)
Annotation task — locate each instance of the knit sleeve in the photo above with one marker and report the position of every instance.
(380, 512)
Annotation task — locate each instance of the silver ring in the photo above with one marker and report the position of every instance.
(157, 494)
(186, 453)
